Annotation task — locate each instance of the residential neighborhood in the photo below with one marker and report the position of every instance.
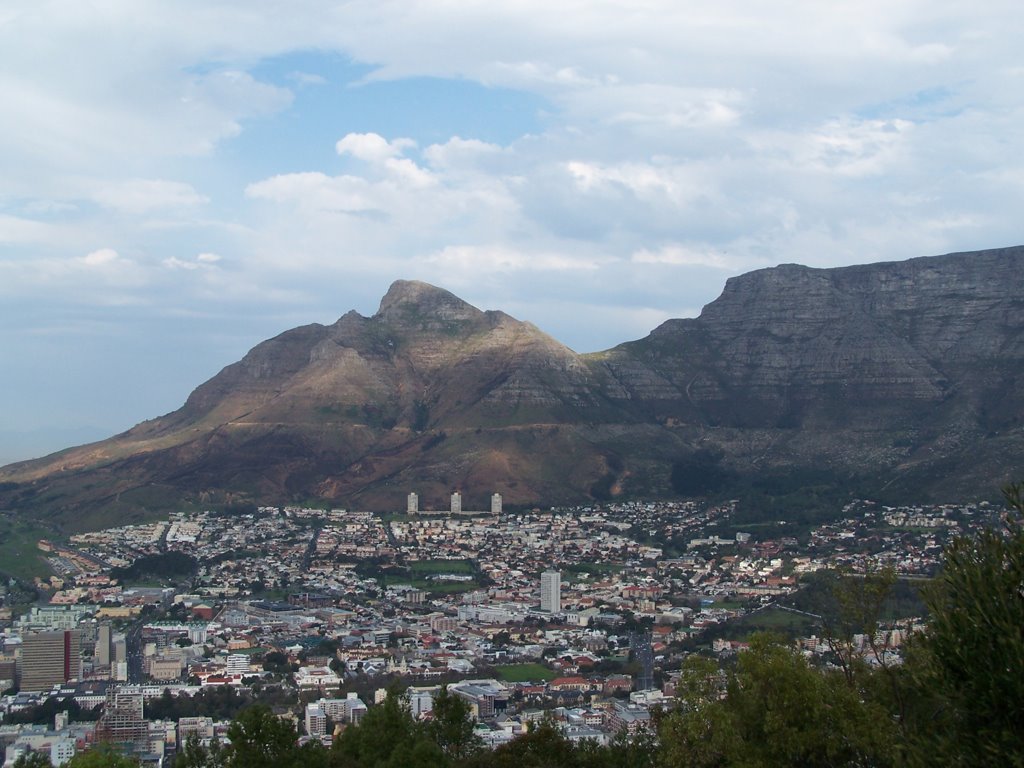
(581, 614)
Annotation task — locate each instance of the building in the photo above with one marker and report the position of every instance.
(316, 721)
(164, 668)
(61, 751)
(412, 504)
(122, 721)
(456, 503)
(496, 504)
(200, 727)
(50, 658)
(103, 646)
(237, 664)
(348, 710)
(551, 591)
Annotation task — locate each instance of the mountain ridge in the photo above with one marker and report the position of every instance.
(878, 376)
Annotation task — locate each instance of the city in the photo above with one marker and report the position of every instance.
(584, 614)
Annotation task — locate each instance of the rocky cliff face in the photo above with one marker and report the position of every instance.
(785, 344)
(898, 375)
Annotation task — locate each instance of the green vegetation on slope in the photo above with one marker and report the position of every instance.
(19, 554)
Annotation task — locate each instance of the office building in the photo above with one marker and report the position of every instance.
(551, 591)
(103, 646)
(316, 721)
(50, 658)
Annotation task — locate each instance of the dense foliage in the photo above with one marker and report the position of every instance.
(162, 565)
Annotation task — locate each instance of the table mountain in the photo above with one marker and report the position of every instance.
(899, 378)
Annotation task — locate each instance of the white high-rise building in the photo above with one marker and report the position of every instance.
(412, 505)
(456, 503)
(551, 591)
(237, 664)
(316, 720)
(496, 504)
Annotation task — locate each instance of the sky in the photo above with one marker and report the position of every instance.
(181, 179)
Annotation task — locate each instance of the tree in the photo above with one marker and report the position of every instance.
(777, 710)
(387, 736)
(699, 731)
(786, 712)
(858, 604)
(33, 760)
(102, 756)
(195, 755)
(260, 740)
(970, 662)
(542, 746)
(452, 726)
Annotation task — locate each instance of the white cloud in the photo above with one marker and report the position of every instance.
(847, 147)
(16, 229)
(138, 196)
(203, 261)
(681, 256)
(372, 147)
(101, 258)
(465, 259)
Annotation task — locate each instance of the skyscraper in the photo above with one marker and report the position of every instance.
(551, 591)
(50, 658)
(103, 646)
(496, 504)
(412, 505)
(456, 503)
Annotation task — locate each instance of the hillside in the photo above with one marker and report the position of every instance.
(900, 378)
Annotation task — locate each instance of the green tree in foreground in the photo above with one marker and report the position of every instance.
(259, 739)
(778, 710)
(102, 756)
(33, 760)
(451, 727)
(387, 737)
(969, 665)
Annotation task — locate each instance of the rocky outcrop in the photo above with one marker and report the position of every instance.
(905, 376)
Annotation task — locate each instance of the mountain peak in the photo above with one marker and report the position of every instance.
(412, 299)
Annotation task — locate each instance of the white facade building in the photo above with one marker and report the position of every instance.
(551, 591)
(316, 721)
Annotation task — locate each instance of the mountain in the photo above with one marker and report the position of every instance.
(900, 378)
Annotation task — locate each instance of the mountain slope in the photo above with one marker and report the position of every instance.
(903, 375)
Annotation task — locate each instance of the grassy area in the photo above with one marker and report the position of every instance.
(522, 673)
(429, 585)
(773, 619)
(19, 555)
(441, 566)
